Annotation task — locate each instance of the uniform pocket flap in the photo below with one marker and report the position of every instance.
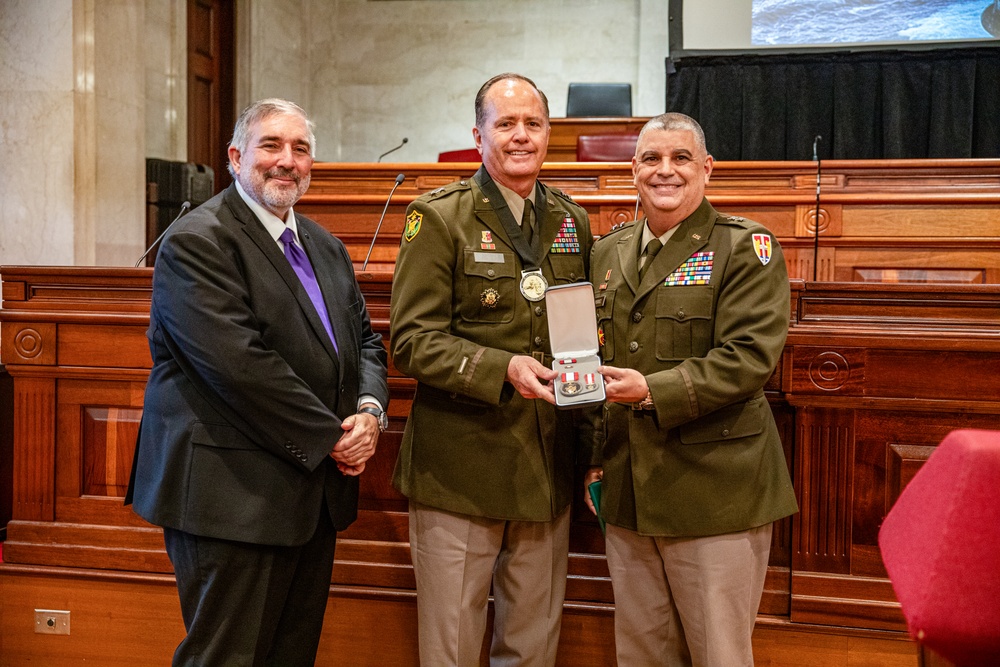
(500, 265)
(684, 303)
(740, 420)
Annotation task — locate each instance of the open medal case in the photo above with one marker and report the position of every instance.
(572, 321)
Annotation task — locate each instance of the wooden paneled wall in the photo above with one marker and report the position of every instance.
(879, 221)
(872, 378)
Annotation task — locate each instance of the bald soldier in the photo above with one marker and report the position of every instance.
(486, 458)
(693, 310)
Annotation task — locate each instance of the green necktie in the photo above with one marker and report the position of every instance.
(649, 253)
(527, 221)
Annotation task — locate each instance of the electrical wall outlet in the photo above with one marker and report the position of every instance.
(51, 622)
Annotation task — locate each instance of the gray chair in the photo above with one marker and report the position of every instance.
(599, 99)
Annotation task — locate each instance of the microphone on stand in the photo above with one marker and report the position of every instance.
(405, 139)
(816, 218)
(399, 179)
(184, 207)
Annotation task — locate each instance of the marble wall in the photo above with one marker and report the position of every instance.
(90, 88)
(371, 72)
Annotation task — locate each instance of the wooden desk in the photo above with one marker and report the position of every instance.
(871, 379)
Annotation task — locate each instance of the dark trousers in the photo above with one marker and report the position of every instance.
(249, 604)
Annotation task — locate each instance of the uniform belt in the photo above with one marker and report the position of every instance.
(540, 357)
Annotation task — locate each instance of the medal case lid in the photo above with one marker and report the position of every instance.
(572, 320)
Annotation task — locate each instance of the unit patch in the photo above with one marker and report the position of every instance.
(762, 246)
(412, 226)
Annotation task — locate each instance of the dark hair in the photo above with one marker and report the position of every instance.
(481, 95)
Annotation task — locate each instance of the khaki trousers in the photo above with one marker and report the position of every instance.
(456, 558)
(686, 601)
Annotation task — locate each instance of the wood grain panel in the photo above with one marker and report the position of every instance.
(823, 479)
(109, 435)
(34, 449)
(132, 620)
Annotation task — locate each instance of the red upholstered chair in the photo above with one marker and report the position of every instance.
(941, 546)
(461, 155)
(606, 147)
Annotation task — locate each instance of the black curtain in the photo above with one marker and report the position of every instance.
(866, 105)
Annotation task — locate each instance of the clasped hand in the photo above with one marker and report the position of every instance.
(357, 444)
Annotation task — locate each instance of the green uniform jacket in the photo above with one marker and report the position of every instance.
(706, 327)
(472, 444)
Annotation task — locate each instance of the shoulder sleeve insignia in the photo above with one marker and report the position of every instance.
(762, 247)
(412, 226)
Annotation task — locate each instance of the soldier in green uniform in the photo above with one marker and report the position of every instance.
(693, 311)
(487, 459)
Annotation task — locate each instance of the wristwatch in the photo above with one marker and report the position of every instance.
(646, 403)
(372, 409)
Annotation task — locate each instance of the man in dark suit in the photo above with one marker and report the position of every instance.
(693, 310)
(265, 400)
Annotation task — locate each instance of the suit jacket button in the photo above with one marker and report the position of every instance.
(680, 314)
(538, 310)
(725, 433)
(633, 346)
(491, 273)
(637, 316)
(538, 341)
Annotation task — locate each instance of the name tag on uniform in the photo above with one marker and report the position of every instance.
(489, 257)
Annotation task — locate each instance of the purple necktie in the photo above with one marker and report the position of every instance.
(303, 269)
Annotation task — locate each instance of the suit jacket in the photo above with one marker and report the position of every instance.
(472, 444)
(706, 326)
(246, 395)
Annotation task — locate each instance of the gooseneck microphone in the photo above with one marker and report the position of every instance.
(816, 218)
(405, 139)
(399, 179)
(184, 207)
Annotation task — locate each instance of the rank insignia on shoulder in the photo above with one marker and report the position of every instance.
(762, 246)
(412, 227)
